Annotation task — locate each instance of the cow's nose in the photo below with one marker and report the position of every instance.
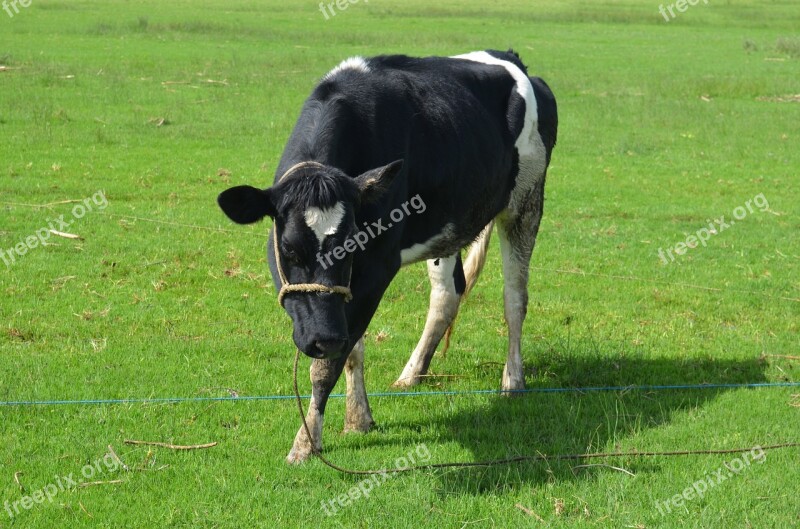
(330, 348)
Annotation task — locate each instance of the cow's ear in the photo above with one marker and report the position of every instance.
(373, 184)
(246, 204)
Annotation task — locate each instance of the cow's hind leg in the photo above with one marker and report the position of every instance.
(517, 228)
(447, 286)
(324, 374)
(358, 417)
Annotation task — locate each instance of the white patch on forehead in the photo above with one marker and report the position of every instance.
(524, 88)
(353, 63)
(324, 222)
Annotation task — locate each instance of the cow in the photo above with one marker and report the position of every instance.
(396, 160)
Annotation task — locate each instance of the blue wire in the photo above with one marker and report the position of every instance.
(177, 400)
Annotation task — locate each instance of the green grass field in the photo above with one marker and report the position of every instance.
(154, 107)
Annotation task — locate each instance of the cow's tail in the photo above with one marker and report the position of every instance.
(473, 264)
(476, 258)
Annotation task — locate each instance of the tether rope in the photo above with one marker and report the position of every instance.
(286, 287)
(508, 460)
(531, 458)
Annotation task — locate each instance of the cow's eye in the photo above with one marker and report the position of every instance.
(290, 254)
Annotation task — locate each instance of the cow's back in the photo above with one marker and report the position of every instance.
(455, 121)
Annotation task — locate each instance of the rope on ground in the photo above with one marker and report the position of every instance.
(509, 460)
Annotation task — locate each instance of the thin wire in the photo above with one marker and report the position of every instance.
(172, 223)
(551, 270)
(591, 389)
(538, 457)
(662, 282)
(506, 461)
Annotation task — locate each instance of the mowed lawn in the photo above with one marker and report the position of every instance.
(149, 109)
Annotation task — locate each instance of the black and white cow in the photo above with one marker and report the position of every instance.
(468, 138)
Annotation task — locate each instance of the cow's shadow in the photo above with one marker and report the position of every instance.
(498, 427)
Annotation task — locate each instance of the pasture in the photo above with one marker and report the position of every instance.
(120, 122)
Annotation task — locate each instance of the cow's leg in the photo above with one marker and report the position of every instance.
(447, 286)
(324, 374)
(358, 417)
(517, 228)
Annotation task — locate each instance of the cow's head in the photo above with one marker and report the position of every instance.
(314, 209)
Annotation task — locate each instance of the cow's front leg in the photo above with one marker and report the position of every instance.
(358, 417)
(324, 374)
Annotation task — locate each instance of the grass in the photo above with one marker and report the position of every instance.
(161, 105)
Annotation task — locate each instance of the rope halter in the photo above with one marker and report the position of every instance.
(286, 287)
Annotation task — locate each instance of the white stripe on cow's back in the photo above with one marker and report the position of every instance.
(324, 222)
(353, 63)
(524, 142)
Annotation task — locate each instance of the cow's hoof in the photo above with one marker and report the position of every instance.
(361, 426)
(302, 449)
(406, 382)
(512, 385)
(298, 455)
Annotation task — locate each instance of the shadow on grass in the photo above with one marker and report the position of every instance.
(497, 427)
(567, 423)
